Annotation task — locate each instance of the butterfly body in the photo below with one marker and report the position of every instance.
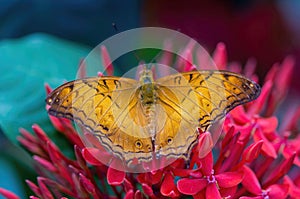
(137, 120)
(147, 88)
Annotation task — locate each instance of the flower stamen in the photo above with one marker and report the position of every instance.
(265, 194)
(211, 179)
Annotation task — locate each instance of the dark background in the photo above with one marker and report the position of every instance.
(264, 29)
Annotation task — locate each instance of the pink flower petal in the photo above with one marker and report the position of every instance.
(182, 172)
(250, 68)
(185, 59)
(200, 195)
(268, 124)
(190, 68)
(115, 177)
(94, 141)
(207, 164)
(279, 171)
(91, 154)
(106, 61)
(232, 154)
(147, 190)
(78, 189)
(234, 67)
(127, 185)
(229, 155)
(259, 103)
(254, 197)
(289, 151)
(290, 122)
(250, 182)
(166, 57)
(79, 158)
(228, 192)
(55, 154)
(285, 73)
(34, 188)
(48, 89)
(59, 161)
(278, 191)
(8, 194)
(229, 179)
(267, 146)
(46, 193)
(28, 136)
(205, 144)
(57, 186)
(239, 115)
(60, 124)
(191, 186)
(100, 74)
(168, 187)
(156, 176)
(252, 151)
(45, 163)
(87, 184)
(294, 190)
(31, 146)
(150, 178)
(138, 195)
(212, 191)
(129, 194)
(228, 137)
(82, 69)
(187, 55)
(220, 56)
(40, 134)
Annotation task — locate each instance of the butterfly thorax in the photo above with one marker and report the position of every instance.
(147, 88)
(148, 94)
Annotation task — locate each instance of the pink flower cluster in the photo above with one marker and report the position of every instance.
(254, 158)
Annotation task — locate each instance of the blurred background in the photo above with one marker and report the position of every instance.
(43, 42)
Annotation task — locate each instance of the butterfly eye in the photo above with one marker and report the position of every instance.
(138, 144)
(170, 140)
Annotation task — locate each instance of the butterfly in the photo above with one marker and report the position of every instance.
(135, 119)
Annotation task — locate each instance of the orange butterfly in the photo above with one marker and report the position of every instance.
(136, 119)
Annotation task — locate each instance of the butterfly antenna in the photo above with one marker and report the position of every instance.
(114, 25)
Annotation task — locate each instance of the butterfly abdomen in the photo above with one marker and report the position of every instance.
(148, 98)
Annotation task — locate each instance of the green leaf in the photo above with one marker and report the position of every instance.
(26, 65)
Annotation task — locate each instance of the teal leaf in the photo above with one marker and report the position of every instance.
(26, 65)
